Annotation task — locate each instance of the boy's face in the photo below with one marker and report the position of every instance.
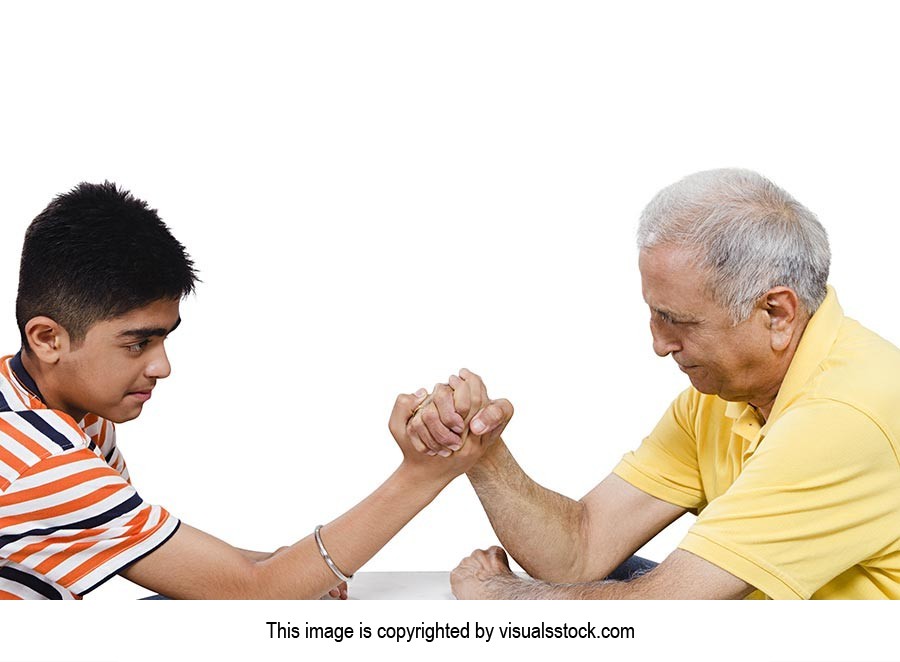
(113, 370)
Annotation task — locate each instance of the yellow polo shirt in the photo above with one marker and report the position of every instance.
(807, 504)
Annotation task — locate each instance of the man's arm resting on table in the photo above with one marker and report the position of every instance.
(485, 575)
(559, 539)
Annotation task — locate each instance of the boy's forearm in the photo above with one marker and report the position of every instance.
(350, 540)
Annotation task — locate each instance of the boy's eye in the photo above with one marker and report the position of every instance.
(138, 347)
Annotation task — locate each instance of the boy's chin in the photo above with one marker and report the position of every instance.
(122, 415)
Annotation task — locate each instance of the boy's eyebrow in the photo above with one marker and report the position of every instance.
(147, 332)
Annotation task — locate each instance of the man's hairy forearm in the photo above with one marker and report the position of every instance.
(541, 530)
(681, 576)
(514, 588)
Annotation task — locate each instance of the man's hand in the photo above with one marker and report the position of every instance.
(339, 592)
(472, 578)
(443, 421)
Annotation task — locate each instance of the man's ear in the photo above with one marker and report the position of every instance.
(47, 339)
(782, 305)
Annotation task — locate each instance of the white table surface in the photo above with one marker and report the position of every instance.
(400, 586)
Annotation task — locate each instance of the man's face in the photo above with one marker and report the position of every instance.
(114, 369)
(734, 362)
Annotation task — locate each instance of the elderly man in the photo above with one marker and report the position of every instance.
(785, 445)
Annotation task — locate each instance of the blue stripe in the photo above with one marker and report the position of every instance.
(19, 370)
(126, 506)
(31, 582)
(4, 405)
(46, 429)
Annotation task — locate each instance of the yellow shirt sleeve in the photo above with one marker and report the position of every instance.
(818, 496)
(665, 464)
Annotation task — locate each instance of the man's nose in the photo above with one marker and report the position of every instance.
(663, 343)
(159, 367)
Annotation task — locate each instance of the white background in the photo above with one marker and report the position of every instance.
(377, 194)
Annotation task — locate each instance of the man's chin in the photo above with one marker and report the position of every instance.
(702, 386)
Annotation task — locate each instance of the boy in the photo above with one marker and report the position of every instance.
(100, 283)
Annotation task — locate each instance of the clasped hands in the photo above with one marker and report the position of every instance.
(445, 433)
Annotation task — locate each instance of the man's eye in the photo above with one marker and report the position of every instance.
(138, 347)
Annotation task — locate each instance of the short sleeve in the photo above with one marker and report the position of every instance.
(820, 495)
(76, 521)
(665, 464)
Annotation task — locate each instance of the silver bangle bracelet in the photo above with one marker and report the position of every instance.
(337, 573)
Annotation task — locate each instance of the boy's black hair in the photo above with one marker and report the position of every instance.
(96, 253)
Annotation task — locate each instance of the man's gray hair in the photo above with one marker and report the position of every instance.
(748, 234)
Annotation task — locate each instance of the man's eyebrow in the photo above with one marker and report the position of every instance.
(675, 316)
(149, 331)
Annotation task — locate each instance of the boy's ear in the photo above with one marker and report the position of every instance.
(46, 338)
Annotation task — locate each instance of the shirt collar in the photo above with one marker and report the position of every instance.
(815, 344)
(24, 378)
(747, 422)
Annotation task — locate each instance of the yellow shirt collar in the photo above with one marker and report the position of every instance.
(815, 344)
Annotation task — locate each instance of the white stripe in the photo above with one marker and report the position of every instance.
(115, 564)
(112, 501)
(155, 515)
(22, 393)
(59, 499)
(11, 395)
(17, 449)
(19, 589)
(35, 559)
(33, 433)
(57, 473)
(8, 472)
(94, 428)
(55, 420)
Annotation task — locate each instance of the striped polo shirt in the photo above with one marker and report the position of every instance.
(69, 517)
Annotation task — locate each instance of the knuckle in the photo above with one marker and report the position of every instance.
(430, 417)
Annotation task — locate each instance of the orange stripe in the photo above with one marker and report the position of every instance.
(54, 461)
(99, 559)
(35, 547)
(23, 439)
(4, 483)
(54, 560)
(6, 595)
(140, 520)
(63, 508)
(64, 483)
(33, 402)
(133, 530)
(14, 462)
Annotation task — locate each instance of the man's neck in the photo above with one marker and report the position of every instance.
(766, 401)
